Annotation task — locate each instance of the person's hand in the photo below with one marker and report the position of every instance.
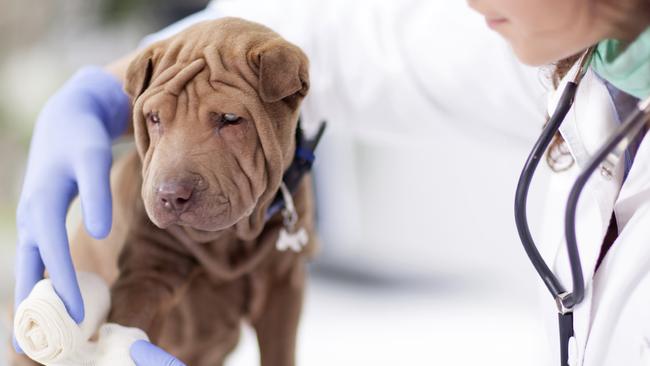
(70, 153)
(144, 353)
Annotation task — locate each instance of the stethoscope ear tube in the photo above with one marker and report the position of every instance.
(521, 196)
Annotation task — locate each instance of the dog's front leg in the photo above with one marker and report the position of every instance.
(151, 277)
(277, 323)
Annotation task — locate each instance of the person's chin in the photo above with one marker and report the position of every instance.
(534, 56)
(532, 59)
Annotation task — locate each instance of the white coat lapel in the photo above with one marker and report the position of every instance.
(623, 268)
(629, 258)
(636, 189)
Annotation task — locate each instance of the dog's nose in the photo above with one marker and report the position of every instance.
(175, 196)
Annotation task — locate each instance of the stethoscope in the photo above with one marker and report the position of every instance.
(606, 158)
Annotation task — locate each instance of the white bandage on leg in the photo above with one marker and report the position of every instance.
(48, 335)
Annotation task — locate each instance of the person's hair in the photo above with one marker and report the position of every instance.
(628, 17)
(558, 157)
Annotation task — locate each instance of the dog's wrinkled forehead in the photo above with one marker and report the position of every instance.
(246, 55)
(174, 79)
(271, 74)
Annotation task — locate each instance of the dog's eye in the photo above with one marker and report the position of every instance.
(225, 119)
(230, 119)
(154, 117)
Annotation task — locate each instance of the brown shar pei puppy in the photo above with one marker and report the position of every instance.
(215, 112)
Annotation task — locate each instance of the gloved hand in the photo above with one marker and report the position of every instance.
(146, 354)
(70, 153)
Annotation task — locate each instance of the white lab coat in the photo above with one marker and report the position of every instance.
(612, 324)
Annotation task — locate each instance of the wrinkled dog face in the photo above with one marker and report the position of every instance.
(204, 157)
(215, 112)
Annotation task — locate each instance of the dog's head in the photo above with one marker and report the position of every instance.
(215, 110)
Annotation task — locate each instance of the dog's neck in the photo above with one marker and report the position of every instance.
(201, 236)
(214, 254)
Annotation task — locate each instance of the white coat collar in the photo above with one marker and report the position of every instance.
(592, 118)
(586, 127)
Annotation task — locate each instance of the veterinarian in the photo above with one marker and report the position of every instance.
(611, 324)
(600, 280)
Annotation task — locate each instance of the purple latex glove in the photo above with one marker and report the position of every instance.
(146, 354)
(70, 154)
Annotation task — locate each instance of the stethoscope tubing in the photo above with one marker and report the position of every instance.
(525, 179)
(617, 142)
(565, 314)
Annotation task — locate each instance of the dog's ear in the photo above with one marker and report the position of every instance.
(138, 75)
(138, 78)
(283, 71)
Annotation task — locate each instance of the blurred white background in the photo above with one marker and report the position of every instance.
(420, 262)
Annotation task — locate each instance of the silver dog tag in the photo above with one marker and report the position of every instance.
(294, 241)
(289, 237)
